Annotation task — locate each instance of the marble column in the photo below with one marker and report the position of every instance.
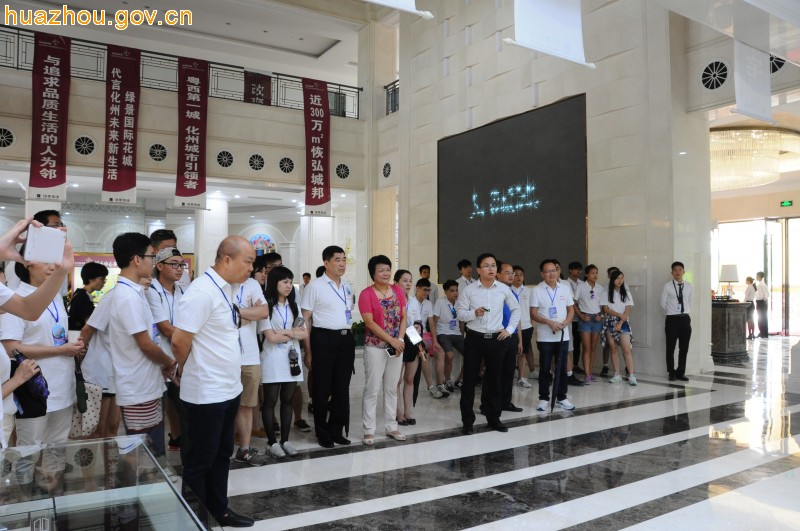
(210, 228)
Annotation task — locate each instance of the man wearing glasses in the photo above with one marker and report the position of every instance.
(164, 296)
(207, 344)
(140, 366)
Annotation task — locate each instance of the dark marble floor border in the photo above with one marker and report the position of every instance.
(316, 496)
(679, 500)
(678, 391)
(513, 499)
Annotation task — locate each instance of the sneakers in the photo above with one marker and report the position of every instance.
(449, 385)
(459, 384)
(249, 456)
(604, 372)
(523, 382)
(289, 448)
(574, 381)
(593, 377)
(302, 425)
(615, 379)
(565, 404)
(443, 389)
(174, 444)
(542, 405)
(587, 380)
(276, 451)
(435, 392)
(632, 379)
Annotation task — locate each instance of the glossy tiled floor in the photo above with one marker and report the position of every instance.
(721, 450)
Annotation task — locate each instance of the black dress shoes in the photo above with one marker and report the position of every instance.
(466, 430)
(573, 381)
(511, 407)
(325, 443)
(498, 426)
(682, 378)
(339, 439)
(232, 519)
(671, 377)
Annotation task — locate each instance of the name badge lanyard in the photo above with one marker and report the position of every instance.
(233, 311)
(285, 318)
(553, 310)
(170, 308)
(679, 296)
(343, 298)
(56, 316)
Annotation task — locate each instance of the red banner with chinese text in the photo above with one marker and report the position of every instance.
(318, 127)
(51, 78)
(190, 188)
(257, 88)
(122, 115)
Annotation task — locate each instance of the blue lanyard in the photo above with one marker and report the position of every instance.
(170, 308)
(453, 310)
(241, 294)
(516, 296)
(56, 315)
(553, 298)
(342, 297)
(284, 317)
(233, 311)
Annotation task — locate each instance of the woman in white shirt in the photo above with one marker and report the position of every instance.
(588, 297)
(617, 328)
(281, 367)
(44, 340)
(750, 297)
(405, 387)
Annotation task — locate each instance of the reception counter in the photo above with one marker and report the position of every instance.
(728, 328)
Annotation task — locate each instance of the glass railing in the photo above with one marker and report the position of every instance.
(97, 484)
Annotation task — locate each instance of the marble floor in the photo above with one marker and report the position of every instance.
(720, 450)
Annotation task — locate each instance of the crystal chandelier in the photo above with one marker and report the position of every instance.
(743, 157)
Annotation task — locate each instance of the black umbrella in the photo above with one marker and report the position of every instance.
(558, 374)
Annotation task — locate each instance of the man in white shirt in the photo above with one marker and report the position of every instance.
(505, 274)
(208, 345)
(762, 295)
(551, 307)
(465, 267)
(331, 349)
(449, 332)
(575, 280)
(164, 297)
(676, 302)
(420, 309)
(480, 306)
(525, 362)
(425, 272)
(306, 280)
(163, 238)
(140, 366)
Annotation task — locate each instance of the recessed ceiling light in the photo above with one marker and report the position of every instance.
(252, 216)
(344, 195)
(294, 200)
(682, 153)
(2, 208)
(237, 196)
(126, 217)
(9, 180)
(188, 217)
(75, 185)
(365, 206)
(65, 213)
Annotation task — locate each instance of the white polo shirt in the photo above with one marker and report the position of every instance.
(164, 307)
(59, 371)
(419, 311)
(590, 298)
(137, 379)
(476, 295)
(9, 406)
(543, 297)
(213, 371)
(618, 305)
(446, 318)
(523, 295)
(96, 365)
(246, 296)
(328, 303)
(463, 282)
(5, 294)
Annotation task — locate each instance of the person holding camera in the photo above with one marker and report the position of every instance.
(281, 367)
(383, 308)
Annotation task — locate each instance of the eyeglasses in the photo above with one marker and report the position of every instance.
(548, 271)
(151, 256)
(176, 265)
(55, 225)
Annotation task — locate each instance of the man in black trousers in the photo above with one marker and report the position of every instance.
(676, 301)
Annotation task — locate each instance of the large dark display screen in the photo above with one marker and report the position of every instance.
(515, 188)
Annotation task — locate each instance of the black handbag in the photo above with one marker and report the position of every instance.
(30, 397)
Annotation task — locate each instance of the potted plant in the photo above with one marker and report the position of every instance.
(358, 333)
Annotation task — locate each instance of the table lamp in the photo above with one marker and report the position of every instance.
(729, 273)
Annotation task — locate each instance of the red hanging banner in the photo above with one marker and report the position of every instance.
(318, 127)
(122, 114)
(257, 88)
(190, 189)
(51, 77)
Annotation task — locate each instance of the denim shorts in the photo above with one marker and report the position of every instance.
(592, 326)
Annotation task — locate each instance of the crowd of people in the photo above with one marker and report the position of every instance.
(222, 357)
